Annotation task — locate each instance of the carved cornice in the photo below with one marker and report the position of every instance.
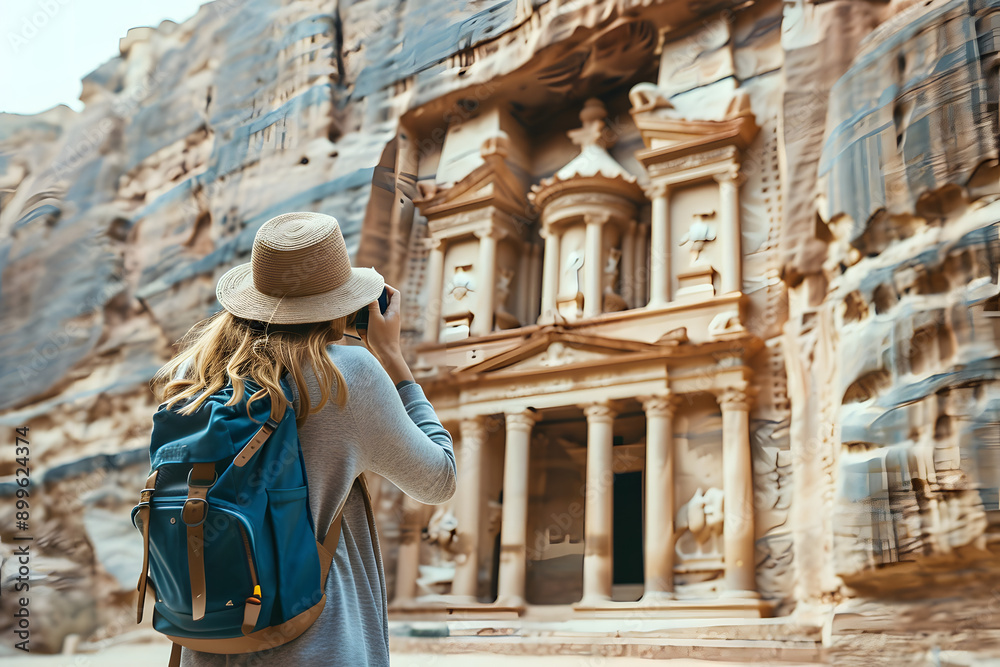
(691, 161)
(571, 206)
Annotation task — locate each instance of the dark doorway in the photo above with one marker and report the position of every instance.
(627, 532)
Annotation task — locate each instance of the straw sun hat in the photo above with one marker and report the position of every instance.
(298, 272)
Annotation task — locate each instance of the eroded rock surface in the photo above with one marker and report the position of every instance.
(791, 213)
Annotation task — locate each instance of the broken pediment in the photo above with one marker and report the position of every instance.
(492, 183)
(664, 130)
(555, 347)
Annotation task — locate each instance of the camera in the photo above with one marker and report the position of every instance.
(361, 317)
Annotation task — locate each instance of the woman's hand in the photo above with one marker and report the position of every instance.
(382, 336)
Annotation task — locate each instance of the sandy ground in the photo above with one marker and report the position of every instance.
(156, 655)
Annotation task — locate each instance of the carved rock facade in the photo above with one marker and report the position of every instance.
(706, 293)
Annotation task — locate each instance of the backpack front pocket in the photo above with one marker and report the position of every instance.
(297, 560)
(229, 561)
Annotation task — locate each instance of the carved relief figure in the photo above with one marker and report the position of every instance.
(461, 283)
(442, 528)
(459, 300)
(698, 234)
(613, 302)
(503, 318)
(441, 534)
(698, 527)
(570, 300)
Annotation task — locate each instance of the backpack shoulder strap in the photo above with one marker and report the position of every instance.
(332, 537)
(262, 434)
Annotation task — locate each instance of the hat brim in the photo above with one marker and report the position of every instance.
(237, 294)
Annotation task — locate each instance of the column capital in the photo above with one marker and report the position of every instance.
(736, 398)
(660, 405)
(523, 420)
(655, 190)
(601, 411)
(490, 231)
(599, 218)
(473, 427)
(433, 243)
(730, 175)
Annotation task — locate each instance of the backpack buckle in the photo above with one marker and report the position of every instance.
(145, 496)
(199, 482)
(189, 509)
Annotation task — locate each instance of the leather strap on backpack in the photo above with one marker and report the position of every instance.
(332, 538)
(175, 655)
(143, 517)
(262, 434)
(200, 479)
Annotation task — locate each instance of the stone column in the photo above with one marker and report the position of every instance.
(593, 265)
(435, 285)
(522, 307)
(598, 512)
(659, 247)
(408, 559)
(468, 508)
(486, 281)
(730, 234)
(641, 264)
(514, 517)
(658, 556)
(737, 479)
(534, 284)
(550, 275)
(627, 267)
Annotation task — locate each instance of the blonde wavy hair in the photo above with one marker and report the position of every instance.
(225, 347)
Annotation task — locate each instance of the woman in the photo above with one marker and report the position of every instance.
(362, 411)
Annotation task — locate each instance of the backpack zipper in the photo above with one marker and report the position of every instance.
(253, 572)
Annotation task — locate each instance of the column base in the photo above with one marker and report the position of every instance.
(681, 608)
(509, 603)
(654, 597)
(739, 594)
(553, 317)
(594, 602)
(458, 600)
(447, 606)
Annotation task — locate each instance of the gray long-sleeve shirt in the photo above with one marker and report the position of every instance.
(393, 433)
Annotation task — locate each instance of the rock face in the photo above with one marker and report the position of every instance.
(706, 292)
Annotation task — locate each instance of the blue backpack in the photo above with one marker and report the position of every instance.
(229, 544)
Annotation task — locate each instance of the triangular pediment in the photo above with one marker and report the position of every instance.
(492, 183)
(554, 348)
